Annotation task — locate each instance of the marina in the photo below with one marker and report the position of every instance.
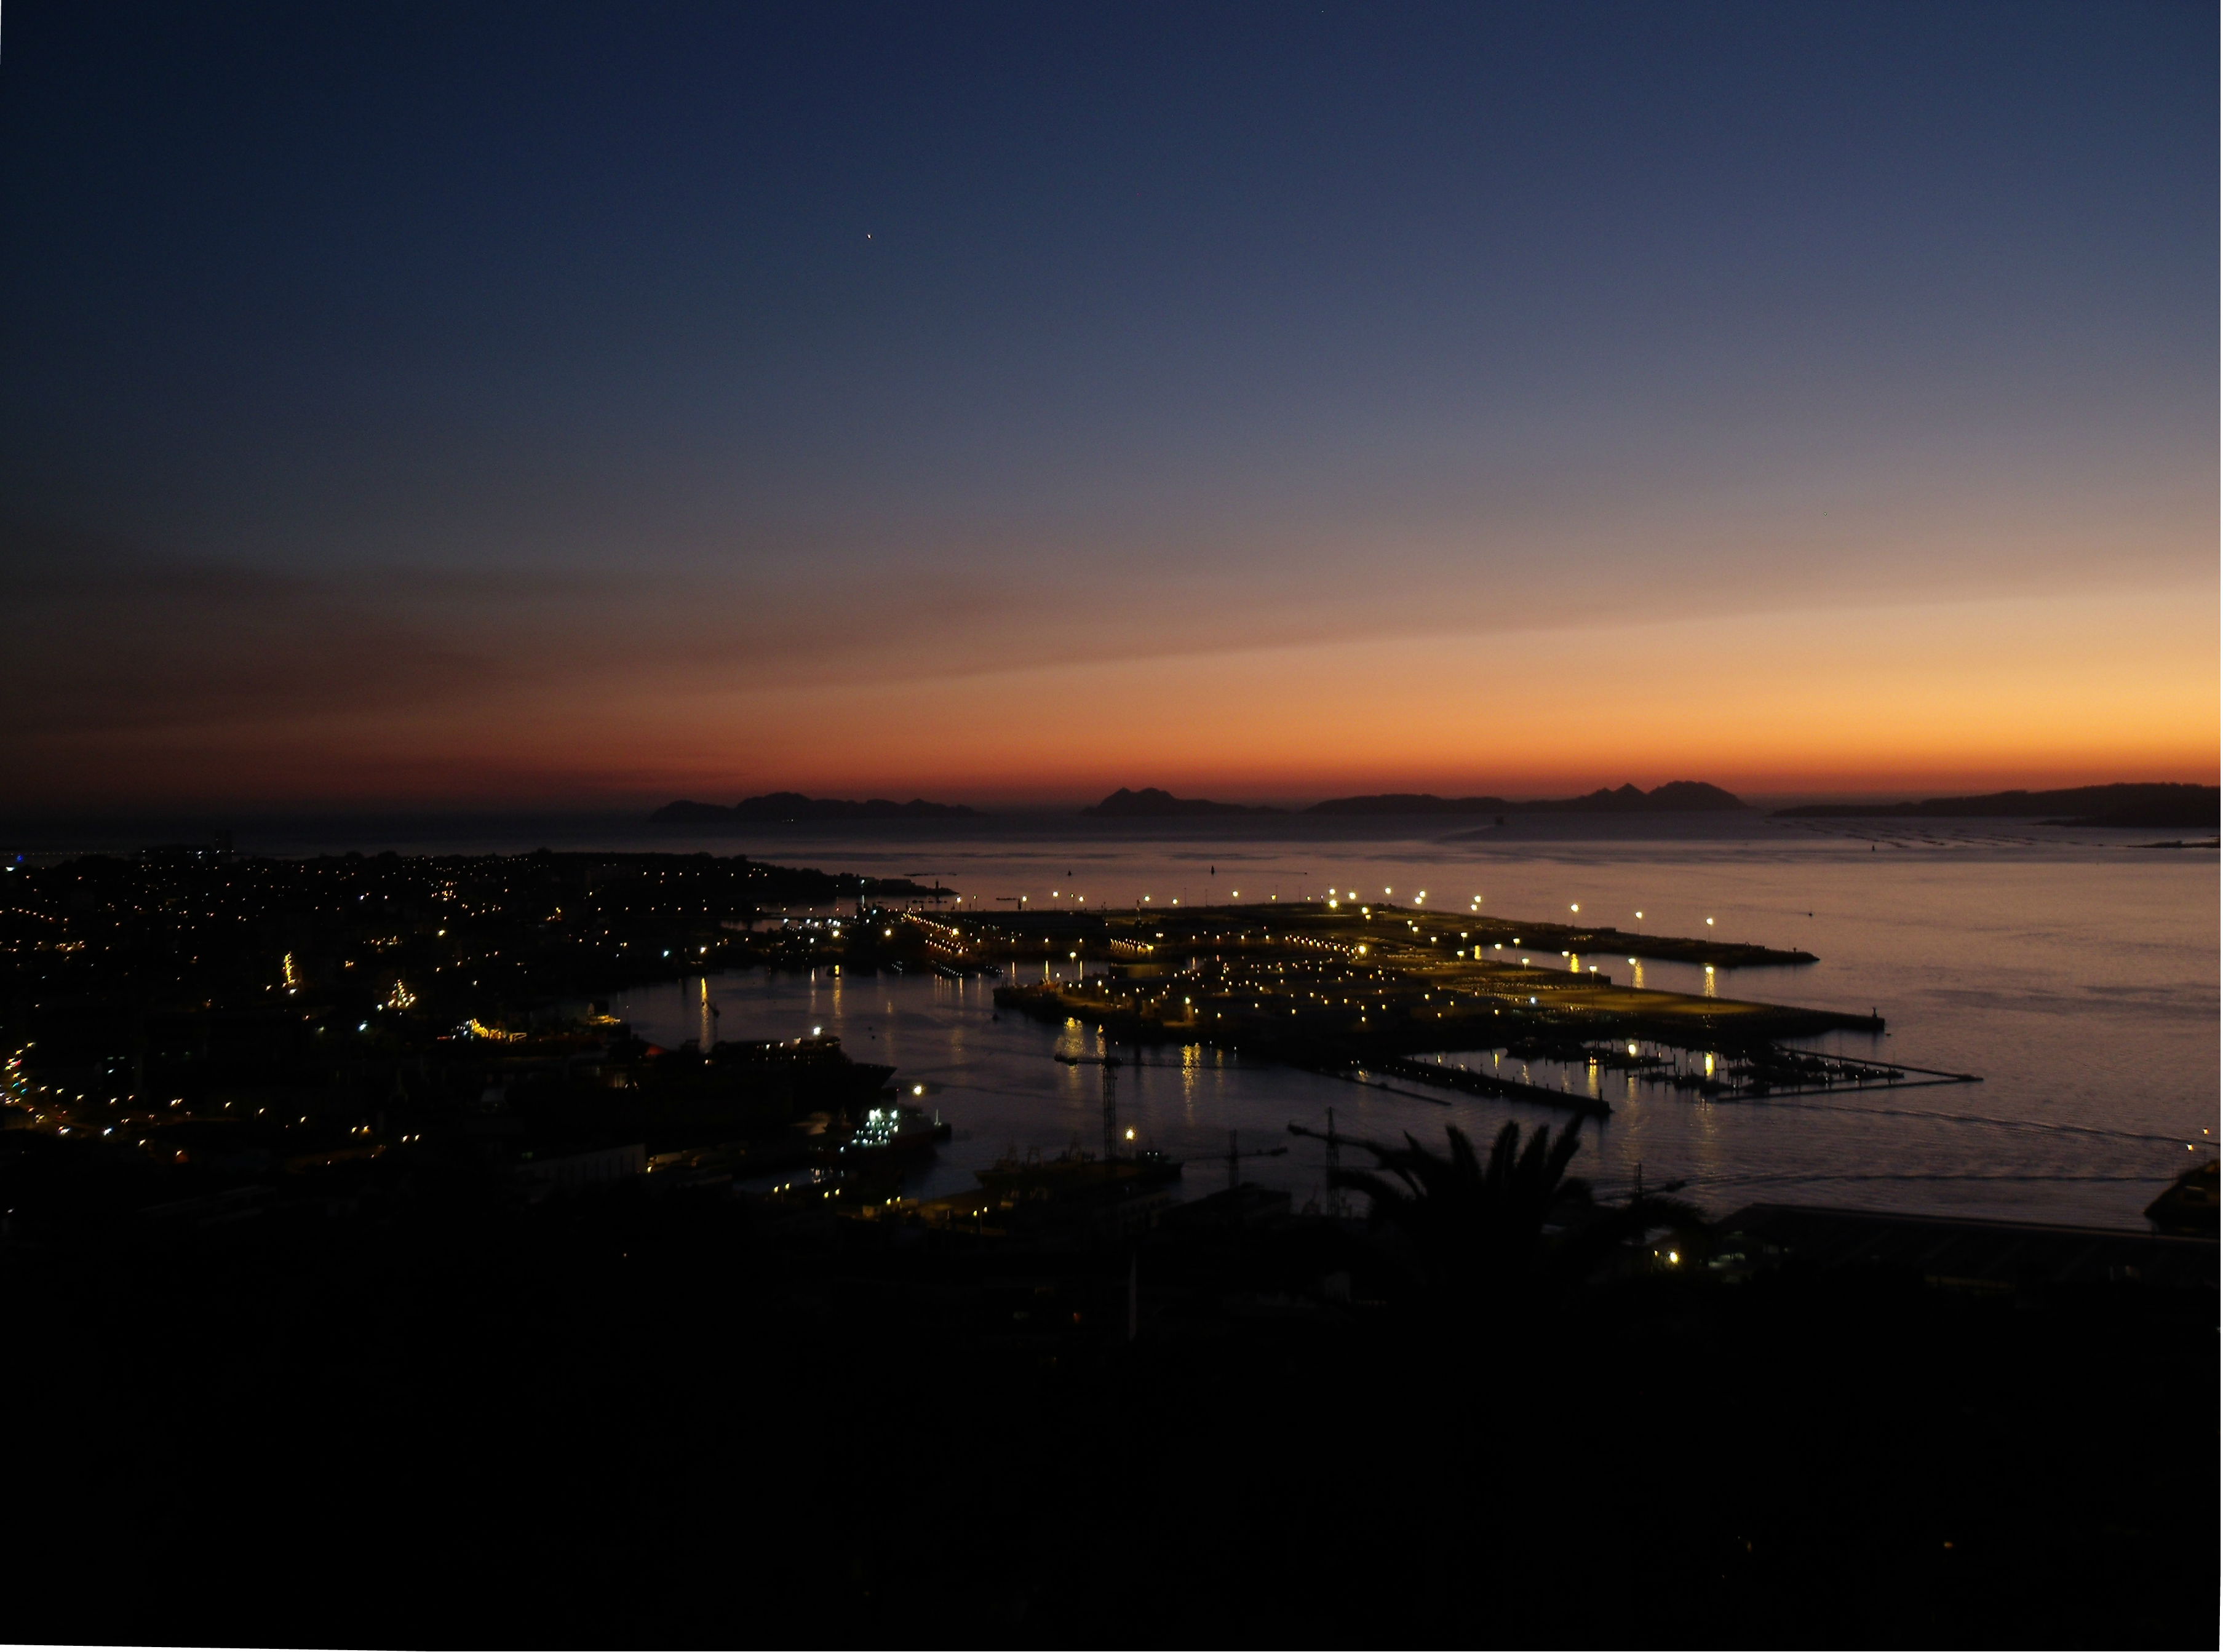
(2076, 978)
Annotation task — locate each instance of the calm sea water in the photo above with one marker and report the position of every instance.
(2076, 973)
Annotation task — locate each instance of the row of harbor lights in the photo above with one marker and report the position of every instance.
(1420, 899)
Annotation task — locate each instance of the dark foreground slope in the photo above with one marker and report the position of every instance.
(689, 1420)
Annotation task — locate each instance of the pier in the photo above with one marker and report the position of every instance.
(1483, 1084)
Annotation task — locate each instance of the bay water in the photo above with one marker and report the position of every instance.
(2076, 971)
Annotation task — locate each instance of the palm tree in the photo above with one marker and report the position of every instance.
(1464, 1230)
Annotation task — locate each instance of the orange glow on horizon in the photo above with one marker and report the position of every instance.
(1920, 701)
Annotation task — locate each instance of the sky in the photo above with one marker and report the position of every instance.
(580, 406)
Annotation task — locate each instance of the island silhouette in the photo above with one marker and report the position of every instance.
(2139, 805)
(1151, 802)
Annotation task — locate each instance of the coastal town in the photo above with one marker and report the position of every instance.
(189, 1017)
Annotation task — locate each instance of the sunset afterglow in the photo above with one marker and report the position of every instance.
(865, 414)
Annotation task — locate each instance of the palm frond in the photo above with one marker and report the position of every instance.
(1468, 1229)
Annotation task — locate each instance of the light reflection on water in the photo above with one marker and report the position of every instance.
(2081, 982)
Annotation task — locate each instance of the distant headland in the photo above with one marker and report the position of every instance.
(794, 806)
(2144, 807)
(1150, 803)
(1676, 797)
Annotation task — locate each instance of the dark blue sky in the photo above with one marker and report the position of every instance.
(422, 363)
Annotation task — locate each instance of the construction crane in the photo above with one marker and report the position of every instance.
(1332, 1195)
(1111, 1064)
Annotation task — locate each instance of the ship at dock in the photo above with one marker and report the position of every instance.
(891, 1134)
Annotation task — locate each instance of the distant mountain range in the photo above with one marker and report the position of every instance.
(2145, 807)
(1676, 797)
(2142, 807)
(794, 806)
(1151, 803)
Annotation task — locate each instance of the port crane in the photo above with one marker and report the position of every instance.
(1331, 1195)
(1111, 1064)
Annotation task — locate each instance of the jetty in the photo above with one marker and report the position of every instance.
(1634, 943)
(1441, 1076)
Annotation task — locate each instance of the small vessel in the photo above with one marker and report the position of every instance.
(824, 1073)
(892, 1133)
